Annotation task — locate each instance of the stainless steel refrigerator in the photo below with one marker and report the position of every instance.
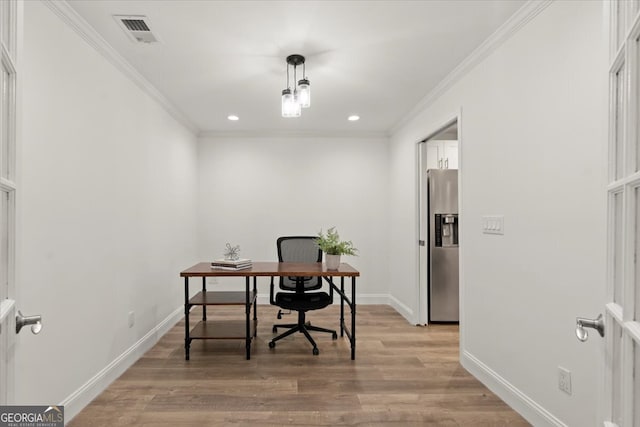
(442, 190)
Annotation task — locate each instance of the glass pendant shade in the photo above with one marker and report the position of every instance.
(288, 104)
(297, 109)
(304, 93)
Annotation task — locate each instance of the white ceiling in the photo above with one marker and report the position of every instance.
(377, 59)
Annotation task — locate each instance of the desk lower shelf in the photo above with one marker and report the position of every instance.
(222, 298)
(222, 330)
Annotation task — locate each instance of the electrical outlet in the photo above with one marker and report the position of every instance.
(132, 318)
(564, 380)
(212, 280)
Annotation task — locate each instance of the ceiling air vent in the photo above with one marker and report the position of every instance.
(137, 28)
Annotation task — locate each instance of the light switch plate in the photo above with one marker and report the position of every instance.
(493, 224)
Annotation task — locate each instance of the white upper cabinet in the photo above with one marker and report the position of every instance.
(442, 154)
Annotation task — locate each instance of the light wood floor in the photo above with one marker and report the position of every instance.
(403, 375)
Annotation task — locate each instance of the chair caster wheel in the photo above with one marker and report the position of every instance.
(335, 336)
(279, 316)
(308, 323)
(275, 329)
(316, 351)
(272, 344)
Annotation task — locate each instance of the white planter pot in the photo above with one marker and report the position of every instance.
(333, 261)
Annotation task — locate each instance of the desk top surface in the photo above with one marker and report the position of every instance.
(309, 269)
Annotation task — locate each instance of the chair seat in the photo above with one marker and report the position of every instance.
(303, 302)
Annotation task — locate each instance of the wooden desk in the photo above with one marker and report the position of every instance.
(233, 330)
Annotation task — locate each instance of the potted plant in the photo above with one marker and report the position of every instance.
(333, 247)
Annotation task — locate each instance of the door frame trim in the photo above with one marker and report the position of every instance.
(422, 282)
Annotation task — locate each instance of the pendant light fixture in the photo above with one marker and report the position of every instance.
(300, 97)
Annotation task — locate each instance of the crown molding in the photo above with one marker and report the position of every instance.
(65, 12)
(293, 134)
(518, 20)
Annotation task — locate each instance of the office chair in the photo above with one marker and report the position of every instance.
(297, 295)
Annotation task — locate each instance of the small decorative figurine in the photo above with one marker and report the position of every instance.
(231, 253)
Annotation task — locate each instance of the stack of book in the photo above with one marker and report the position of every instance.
(225, 264)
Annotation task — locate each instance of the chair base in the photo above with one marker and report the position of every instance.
(281, 312)
(302, 327)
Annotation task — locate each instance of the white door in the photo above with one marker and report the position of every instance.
(8, 113)
(621, 391)
(432, 156)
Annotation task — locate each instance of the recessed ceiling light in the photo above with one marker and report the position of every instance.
(353, 118)
(233, 118)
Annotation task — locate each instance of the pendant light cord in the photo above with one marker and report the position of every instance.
(295, 81)
(288, 87)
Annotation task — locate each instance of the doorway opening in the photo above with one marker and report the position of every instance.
(439, 237)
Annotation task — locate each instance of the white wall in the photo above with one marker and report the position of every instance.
(533, 147)
(107, 211)
(253, 190)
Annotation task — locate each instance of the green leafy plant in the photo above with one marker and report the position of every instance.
(331, 244)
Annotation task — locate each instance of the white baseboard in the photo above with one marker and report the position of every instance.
(80, 398)
(371, 299)
(405, 311)
(520, 402)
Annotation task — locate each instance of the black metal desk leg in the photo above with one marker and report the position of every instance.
(187, 340)
(248, 319)
(255, 306)
(353, 318)
(204, 295)
(342, 306)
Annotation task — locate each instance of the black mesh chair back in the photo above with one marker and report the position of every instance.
(299, 249)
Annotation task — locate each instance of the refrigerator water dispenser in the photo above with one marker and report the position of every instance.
(446, 230)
